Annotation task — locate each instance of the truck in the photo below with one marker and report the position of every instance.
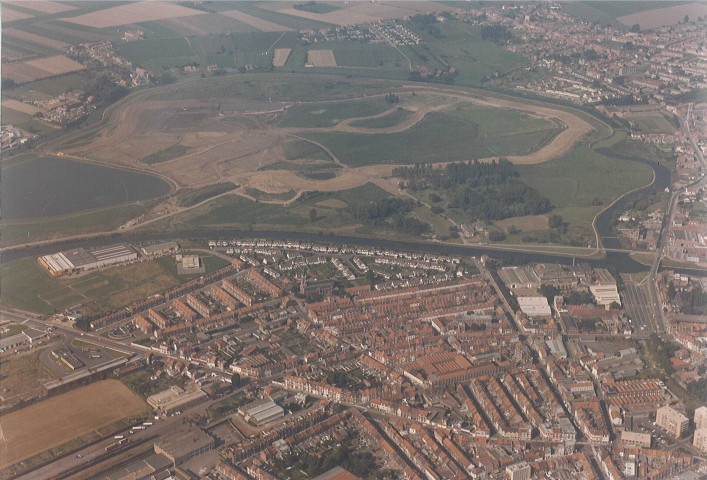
(119, 437)
(147, 424)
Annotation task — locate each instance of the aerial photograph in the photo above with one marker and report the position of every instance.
(353, 240)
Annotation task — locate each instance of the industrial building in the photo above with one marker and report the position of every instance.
(183, 443)
(604, 290)
(534, 306)
(175, 398)
(262, 412)
(78, 260)
(159, 249)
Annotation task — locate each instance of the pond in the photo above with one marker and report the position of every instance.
(50, 186)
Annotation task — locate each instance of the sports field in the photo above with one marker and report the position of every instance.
(55, 421)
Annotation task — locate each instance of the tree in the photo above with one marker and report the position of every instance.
(513, 230)
(312, 214)
(615, 306)
(686, 19)
(8, 83)
(635, 28)
(236, 380)
(166, 78)
(555, 221)
(496, 236)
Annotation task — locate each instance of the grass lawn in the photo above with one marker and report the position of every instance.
(102, 220)
(441, 137)
(397, 116)
(329, 114)
(169, 153)
(28, 286)
(260, 195)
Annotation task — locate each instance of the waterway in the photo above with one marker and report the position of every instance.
(38, 187)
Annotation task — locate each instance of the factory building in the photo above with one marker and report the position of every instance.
(78, 260)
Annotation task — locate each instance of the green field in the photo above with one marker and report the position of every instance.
(608, 12)
(397, 116)
(295, 23)
(573, 182)
(328, 114)
(332, 211)
(26, 285)
(314, 7)
(98, 221)
(265, 196)
(443, 137)
(14, 117)
(653, 124)
(189, 197)
(299, 149)
(169, 153)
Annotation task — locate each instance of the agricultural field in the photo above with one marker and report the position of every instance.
(668, 15)
(166, 154)
(132, 13)
(11, 15)
(36, 69)
(603, 12)
(83, 410)
(280, 57)
(255, 22)
(321, 58)
(44, 6)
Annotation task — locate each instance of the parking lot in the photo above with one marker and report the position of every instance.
(637, 307)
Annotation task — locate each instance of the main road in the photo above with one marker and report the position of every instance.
(658, 320)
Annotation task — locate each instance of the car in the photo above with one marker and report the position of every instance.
(78, 455)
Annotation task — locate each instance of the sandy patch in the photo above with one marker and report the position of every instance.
(259, 23)
(133, 13)
(321, 58)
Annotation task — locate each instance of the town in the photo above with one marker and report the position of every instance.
(420, 365)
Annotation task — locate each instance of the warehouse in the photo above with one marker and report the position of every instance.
(262, 412)
(534, 306)
(183, 443)
(78, 259)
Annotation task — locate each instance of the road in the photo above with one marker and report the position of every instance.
(659, 321)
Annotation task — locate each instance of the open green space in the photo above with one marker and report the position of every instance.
(299, 149)
(265, 196)
(97, 221)
(328, 114)
(582, 182)
(166, 154)
(391, 119)
(14, 117)
(57, 85)
(442, 137)
(189, 196)
(27, 286)
(608, 12)
(316, 7)
(652, 124)
(333, 210)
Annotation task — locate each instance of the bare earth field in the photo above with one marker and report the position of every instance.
(39, 68)
(280, 57)
(57, 420)
(44, 6)
(321, 58)
(659, 17)
(32, 38)
(526, 223)
(133, 13)
(21, 106)
(10, 15)
(259, 23)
